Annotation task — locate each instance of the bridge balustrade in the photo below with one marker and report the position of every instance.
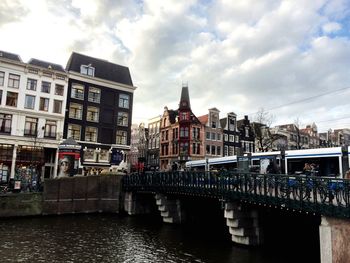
(311, 194)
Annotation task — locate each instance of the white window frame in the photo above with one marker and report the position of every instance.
(87, 70)
(29, 102)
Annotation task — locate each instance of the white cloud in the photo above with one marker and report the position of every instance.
(235, 55)
(331, 27)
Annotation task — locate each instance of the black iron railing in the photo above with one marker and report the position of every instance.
(319, 195)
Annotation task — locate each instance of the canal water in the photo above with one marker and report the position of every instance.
(117, 238)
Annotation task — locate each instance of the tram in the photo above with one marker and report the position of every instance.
(330, 162)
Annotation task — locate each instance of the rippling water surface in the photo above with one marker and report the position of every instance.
(113, 238)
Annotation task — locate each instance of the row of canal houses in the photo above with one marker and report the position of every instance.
(178, 136)
(43, 104)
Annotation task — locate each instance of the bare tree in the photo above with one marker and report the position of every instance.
(261, 128)
(299, 141)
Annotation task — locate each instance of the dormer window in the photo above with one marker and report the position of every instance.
(87, 70)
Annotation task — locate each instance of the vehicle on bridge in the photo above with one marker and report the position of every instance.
(331, 162)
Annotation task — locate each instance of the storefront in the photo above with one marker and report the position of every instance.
(6, 152)
(28, 168)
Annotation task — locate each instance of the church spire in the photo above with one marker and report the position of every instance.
(185, 98)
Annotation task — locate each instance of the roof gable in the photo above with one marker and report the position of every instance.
(103, 68)
(10, 56)
(44, 64)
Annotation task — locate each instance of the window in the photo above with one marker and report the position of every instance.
(124, 101)
(29, 102)
(122, 119)
(231, 138)
(184, 132)
(2, 78)
(92, 114)
(207, 135)
(246, 131)
(91, 134)
(44, 104)
(213, 150)
(50, 129)
(74, 131)
(183, 116)
(45, 86)
(195, 133)
(195, 148)
(218, 150)
(89, 154)
(94, 95)
(121, 137)
(219, 137)
(230, 150)
(31, 84)
(87, 70)
(237, 138)
(5, 123)
(57, 106)
(77, 91)
(0, 96)
(104, 155)
(31, 126)
(11, 99)
(225, 150)
(14, 81)
(213, 136)
(59, 89)
(231, 124)
(225, 137)
(207, 149)
(75, 111)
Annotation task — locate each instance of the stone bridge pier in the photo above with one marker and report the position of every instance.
(334, 240)
(170, 209)
(243, 223)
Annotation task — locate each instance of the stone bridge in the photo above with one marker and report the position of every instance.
(240, 193)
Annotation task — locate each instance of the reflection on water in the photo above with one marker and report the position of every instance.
(113, 238)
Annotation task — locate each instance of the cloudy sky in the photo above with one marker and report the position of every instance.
(291, 58)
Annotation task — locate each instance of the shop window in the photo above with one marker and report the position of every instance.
(104, 155)
(6, 152)
(89, 154)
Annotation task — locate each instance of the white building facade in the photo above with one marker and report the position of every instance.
(32, 109)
